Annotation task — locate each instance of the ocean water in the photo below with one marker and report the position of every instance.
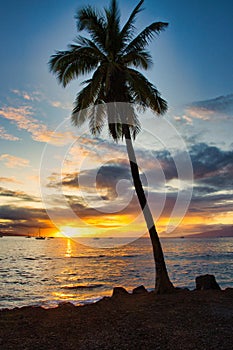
(47, 272)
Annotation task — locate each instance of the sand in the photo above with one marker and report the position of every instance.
(184, 320)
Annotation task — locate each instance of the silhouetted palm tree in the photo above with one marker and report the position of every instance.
(112, 52)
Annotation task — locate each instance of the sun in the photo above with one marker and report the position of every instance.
(70, 231)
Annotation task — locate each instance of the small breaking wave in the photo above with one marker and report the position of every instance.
(83, 287)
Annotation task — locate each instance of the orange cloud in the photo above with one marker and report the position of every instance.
(5, 136)
(22, 117)
(34, 96)
(200, 113)
(14, 162)
(9, 180)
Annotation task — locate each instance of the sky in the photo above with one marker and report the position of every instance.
(61, 179)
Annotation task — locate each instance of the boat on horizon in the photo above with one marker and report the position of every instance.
(39, 236)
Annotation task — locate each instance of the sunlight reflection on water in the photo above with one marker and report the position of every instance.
(50, 271)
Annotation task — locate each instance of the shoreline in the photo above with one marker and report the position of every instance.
(183, 320)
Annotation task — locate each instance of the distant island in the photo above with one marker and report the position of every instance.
(222, 232)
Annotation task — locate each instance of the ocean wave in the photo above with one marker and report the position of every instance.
(82, 287)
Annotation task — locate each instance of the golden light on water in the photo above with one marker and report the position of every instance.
(68, 253)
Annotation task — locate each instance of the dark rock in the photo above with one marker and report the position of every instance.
(140, 290)
(229, 290)
(119, 291)
(66, 304)
(205, 282)
(182, 289)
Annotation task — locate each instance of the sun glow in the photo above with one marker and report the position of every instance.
(70, 231)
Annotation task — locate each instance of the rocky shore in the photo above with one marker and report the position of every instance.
(140, 321)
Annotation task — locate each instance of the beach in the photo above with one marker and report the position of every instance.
(183, 320)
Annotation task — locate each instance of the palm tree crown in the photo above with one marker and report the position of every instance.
(112, 53)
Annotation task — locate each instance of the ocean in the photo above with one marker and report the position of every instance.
(51, 271)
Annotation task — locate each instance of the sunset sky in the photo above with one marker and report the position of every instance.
(85, 182)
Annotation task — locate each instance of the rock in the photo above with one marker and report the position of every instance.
(229, 290)
(66, 304)
(140, 290)
(119, 291)
(205, 282)
(182, 289)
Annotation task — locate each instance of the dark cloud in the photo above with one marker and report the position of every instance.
(214, 203)
(203, 190)
(221, 104)
(103, 181)
(15, 220)
(17, 195)
(212, 166)
(85, 211)
(70, 180)
(167, 164)
(9, 212)
(109, 176)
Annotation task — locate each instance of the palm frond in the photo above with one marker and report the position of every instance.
(97, 118)
(135, 130)
(128, 29)
(138, 59)
(93, 22)
(144, 93)
(87, 96)
(114, 119)
(70, 64)
(113, 15)
(130, 118)
(83, 43)
(112, 39)
(143, 39)
(115, 131)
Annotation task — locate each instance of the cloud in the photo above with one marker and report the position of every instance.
(109, 181)
(12, 218)
(184, 118)
(13, 161)
(114, 209)
(10, 212)
(219, 108)
(39, 96)
(221, 104)
(197, 113)
(9, 180)
(62, 105)
(5, 136)
(17, 195)
(23, 118)
(32, 96)
(212, 164)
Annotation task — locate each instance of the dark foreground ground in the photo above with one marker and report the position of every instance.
(185, 320)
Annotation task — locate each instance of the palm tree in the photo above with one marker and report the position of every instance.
(111, 53)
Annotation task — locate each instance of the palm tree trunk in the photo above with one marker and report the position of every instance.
(162, 281)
